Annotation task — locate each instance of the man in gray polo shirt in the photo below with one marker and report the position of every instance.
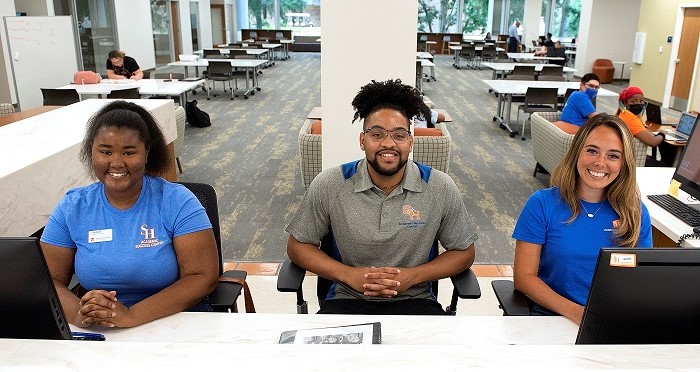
(385, 213)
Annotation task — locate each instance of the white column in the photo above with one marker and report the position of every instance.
(362, 40)
(531, 21)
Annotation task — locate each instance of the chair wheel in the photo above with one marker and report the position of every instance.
(502, 126)
(245, 96)
(258, 88)
(523, 138)
(512, 134)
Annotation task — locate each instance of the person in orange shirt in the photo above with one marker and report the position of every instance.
(630, 110)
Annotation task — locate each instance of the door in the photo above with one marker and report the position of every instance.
(218, 29)
(175, 27)
(685, 60)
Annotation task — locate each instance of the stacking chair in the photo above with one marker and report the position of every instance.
(445, 44)
(551, 73)
(236, 52)
(522, 73)
(221, 71)
(59, 97)
(489, 53)
(538, 100)
(130, 93)
(291, 277)
(468, 52)
(224, 297)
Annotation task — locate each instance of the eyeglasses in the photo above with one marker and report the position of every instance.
(596, 87)
(378, 134)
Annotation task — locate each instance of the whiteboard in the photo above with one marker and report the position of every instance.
(42, 53)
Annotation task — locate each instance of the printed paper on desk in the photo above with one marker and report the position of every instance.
(369, 333)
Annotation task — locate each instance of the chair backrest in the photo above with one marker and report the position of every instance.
(552, 70)
(446, 38)
(568, 93)
(279, 35)
(6, 109)
(423, 37)
(253, 34)
(524, 70)
(130, 93)
(602, 62)
(211, 52)
(541, 96)
(237, 52)
(59, 97)
(219, 68)
(207, 196)
(169, 75)
(467, 51)
(180, 119)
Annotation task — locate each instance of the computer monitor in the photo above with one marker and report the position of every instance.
(688, 169)
(643, 296)
(29, 306)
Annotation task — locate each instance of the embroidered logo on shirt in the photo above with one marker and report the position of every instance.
(411, 212)
(149, 238)
(413, 215)
(615, 225)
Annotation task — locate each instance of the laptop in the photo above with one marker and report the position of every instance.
(683, 130)
(29, 305)
(653, 112)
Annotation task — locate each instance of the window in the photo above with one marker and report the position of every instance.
(475, 16)
(161, 31)
(194, 24)
(561, 17)
(438, 16)
(299, 14)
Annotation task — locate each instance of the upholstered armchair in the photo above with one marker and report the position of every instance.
(431, 146)
(604, 69)
(550, 143)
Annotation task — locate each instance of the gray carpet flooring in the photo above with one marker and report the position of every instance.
(250, 155)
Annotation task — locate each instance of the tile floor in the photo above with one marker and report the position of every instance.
(262, 279)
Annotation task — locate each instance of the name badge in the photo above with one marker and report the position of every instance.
(97, 236)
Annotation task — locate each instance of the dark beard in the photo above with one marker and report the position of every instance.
(386, 172)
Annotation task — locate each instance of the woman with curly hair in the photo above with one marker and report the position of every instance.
(593, 203)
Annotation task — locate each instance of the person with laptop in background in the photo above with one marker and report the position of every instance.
(143, 248)
(593, 203)
(631, 108)
(579, 107)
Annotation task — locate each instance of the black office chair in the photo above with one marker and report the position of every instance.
(130, 93)
(224, 297)
(512, 301)
(291, 277)
(59, 97)
(538, 100)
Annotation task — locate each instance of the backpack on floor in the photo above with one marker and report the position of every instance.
(195, 115)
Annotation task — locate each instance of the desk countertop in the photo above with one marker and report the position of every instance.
(203, 340)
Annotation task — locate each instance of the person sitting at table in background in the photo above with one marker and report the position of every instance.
(488, 36)
(513, 38)
(435, 117)
(630, 111)
(557, 51)
(121, 66)
(142, 247)
(593, 203)
(548, 41)
(541, 49)
(579, 107)
(385, 212)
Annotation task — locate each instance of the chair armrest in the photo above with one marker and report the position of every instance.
(224, 297)
(513, 302)
(290, 277)
(466, 285)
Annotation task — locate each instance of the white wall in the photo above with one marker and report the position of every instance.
(612, 24)
(531, 21)
(135, 31)
(356, 50)
(35, 7)
(7, 90)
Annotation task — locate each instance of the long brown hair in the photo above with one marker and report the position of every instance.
(622, 194)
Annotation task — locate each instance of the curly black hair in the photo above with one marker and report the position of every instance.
(391, 94)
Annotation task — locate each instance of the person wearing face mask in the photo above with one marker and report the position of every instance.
(630, 110)
(579, 107)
